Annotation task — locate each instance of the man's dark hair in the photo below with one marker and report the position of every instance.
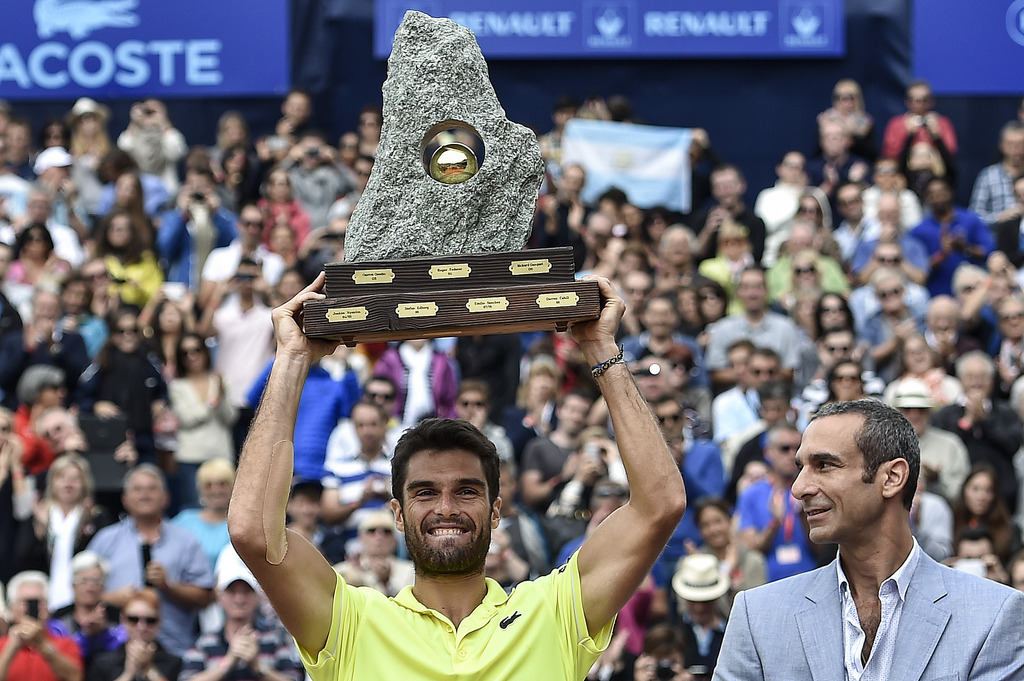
(976, 533)
(381, 379)
(774, 390)
(382, 413)
(615, 195)
(761, 351)
(885, 435)
(437, 435)
(474, 385)
(726, 167)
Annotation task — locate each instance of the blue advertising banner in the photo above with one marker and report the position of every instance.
(109, 49)
(970, 48)
(602, 29)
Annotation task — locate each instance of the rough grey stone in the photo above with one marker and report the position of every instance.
(436, 72)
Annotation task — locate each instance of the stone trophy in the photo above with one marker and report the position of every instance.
(434, 247)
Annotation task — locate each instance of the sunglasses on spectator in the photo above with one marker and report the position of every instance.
(837, 348)
(1011, 317)
(145, 619)
(763, 372)
(472, 403)
(890, 293)
(895, 260)
(380, 396)
(843, 378)
(126, 330)
(808, 209)
(377, 530)
(787, 448)
(804, 270)
(251, 223)
(844, 96)
(664, 418)
(833, 308)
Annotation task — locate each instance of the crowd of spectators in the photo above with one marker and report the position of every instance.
(137, 277)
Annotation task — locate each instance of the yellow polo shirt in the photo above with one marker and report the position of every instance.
(539, 631)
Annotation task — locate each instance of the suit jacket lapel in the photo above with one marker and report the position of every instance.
(924, 618)
(820, 625)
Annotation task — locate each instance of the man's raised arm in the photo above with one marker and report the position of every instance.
(295, 576)
(617, 557)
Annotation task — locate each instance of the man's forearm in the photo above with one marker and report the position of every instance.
(189, 596)
(257, 511)
(63, 668)
(6, 655)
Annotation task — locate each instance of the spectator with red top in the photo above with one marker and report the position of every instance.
(919, 124)
(31, 651)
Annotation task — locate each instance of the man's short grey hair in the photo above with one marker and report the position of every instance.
(883, 273)
(773, 433)
(148, 469)
(87, 560)
(675, 230)
(966, 271)
(975, 356)
(35, 379)
(27, 577)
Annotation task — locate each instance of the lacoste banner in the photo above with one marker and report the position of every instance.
(603, 29)
(110, 49)
(970, 48)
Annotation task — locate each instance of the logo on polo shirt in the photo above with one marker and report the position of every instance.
(507, 622)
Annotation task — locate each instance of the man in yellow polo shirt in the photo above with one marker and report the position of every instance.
(453, 623)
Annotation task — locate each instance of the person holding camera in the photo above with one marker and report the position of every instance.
(223, 262)
(32, 651)
(196, 225)
(153, 142)
(919, 124)
(317, 177)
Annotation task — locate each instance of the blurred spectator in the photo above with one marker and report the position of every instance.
(348, 148)
(370, 123)
(675, 262)
(494, 360)
(1008, 231)
(769, 517)
(128, 196)
(53, 168)
(197, 225)
(473, 405)
(837, 163)
(14, 189)
(204, 413)
(944, 460)
(728, 187)
(974, 554)
(41, 387)
(663, 657)
(546, 464)
(54, 133)
(775, 205)
(425, 379)
(988, 426)
(980, 506)
(89, 143)
(757, 323)
(248, 647)
(304, 515)
(31, 651)
(1010, 360)
(359, 171)
(102, 302)
(885, 330)
(848, 110)
(36, 260)
(141, 656)
(317, 179)
(698, 584)
(17, 494)
(774, 409)
(358, 482)
(64, 521)
(534, 412)
(232, 132)
(124, 381)
(241, 322)
(281, 208)
(375, 564)
(222, 263)
(992, 197)
(282, 244)
(801, 267)
(846, 382)
(1016, 571)
(932, 523)
(890, 248)
(18, 136)
(733, 256)
(526, 533)
(743, 567)
(76, 301)
(735, 410)
(177, 567)
(153, 142)
(209, 523)
(122, 245)
(919, 124)
(921, 163)
(917, 361)
(855, 226)
(87, 617)
(888, 180)
(164, 323)
(149, 189)
(563, 111)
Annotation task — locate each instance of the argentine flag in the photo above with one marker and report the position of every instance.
(650, 163)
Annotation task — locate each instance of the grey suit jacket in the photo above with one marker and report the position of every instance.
(953, 626)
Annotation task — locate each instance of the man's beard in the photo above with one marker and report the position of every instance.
(431, 561)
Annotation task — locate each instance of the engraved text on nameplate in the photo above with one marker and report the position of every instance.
(567, 299)
(382, 276)
(416, 310)
(497, 304)
(347, 314)
(454, 271)
(520, 267)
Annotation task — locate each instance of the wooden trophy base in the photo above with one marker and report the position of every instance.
(487, 293)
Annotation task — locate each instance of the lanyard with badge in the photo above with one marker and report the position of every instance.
(786, 553)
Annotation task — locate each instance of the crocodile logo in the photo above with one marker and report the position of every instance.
(79, 18)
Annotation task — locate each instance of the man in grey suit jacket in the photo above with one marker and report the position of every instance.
(883, 609)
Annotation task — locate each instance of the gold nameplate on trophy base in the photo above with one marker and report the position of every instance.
(474, 270)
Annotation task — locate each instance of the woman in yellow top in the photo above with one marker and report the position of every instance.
(133, 268)
(734, 256)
